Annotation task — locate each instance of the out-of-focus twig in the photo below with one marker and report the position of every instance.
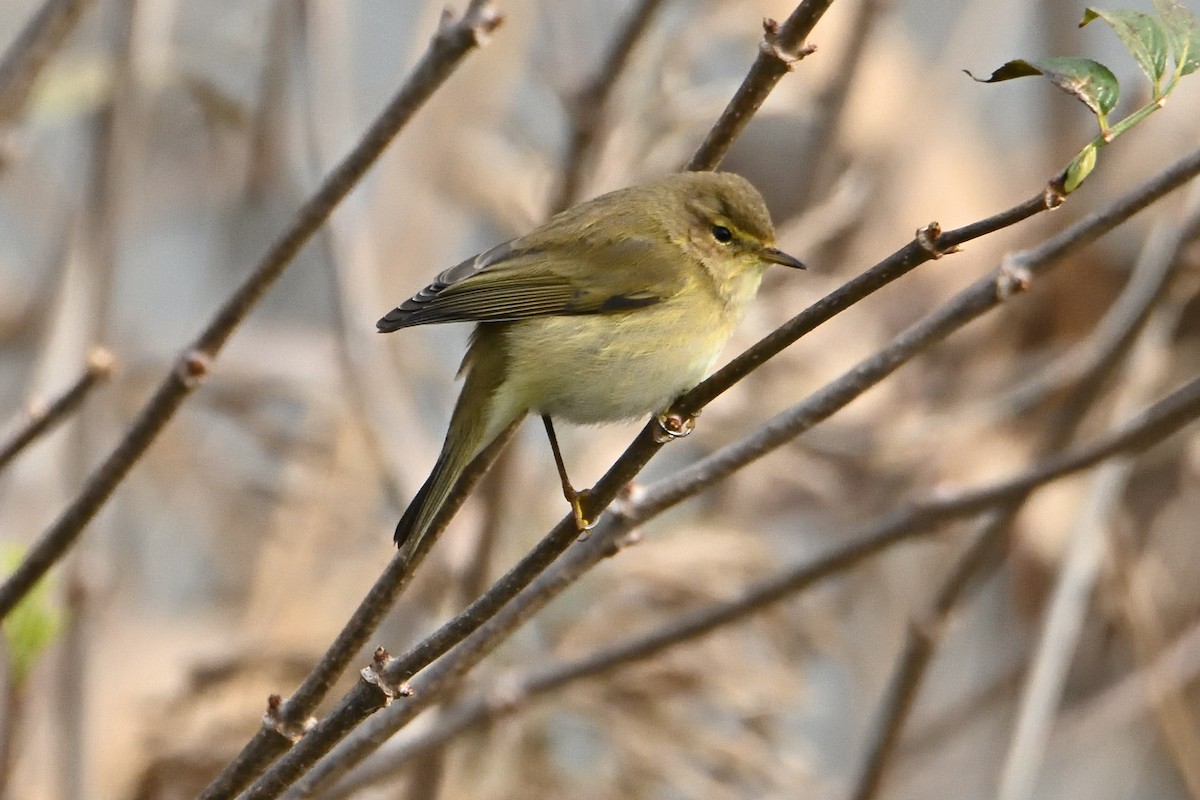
(1150, 277)
(830, 104)
(985, 294)
(352, 260)
(117, 139)
(1171, 671)
(25, 57)
(263, 163)
(1147, 428)
(453, 42)
(1086, 548)
(1136, 607)
(646, 444)
(587, 107)
(980, 297)
(40, 420)
(1145, 631)
(781, 47)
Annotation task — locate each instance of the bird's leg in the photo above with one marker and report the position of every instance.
(575, 498)
(673, 425)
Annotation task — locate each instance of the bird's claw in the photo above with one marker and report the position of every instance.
(581, 521)
(673, 425)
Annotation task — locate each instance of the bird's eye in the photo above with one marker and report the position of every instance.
(722, 234)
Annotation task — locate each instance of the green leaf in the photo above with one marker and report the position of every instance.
(1191, 60)
(1183, 33)
(29, 627)
(1142, 35)
(1089, 81)
(1080, 167)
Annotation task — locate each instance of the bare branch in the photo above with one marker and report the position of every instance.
(985, 294)
(509, 602)
(587, 107)
(288, 720)
(452, 43)
(1149, 427)
(830, 104)
(781, 47)
(40, 420)
(25, 57)
(1159, 262)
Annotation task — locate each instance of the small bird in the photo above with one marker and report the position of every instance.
(607, 312)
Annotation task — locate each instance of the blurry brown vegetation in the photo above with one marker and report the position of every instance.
(165, 144)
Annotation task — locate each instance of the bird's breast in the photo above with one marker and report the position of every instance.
(609, 367)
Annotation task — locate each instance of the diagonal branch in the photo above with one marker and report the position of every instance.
(40, 420)
(25, 57)
(1146, 429)
(586, 108)
(516, 596)
(1158, 263)
(646, 445)
(449, 47)
(781, 47)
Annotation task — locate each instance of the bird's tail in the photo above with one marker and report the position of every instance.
(479, 418)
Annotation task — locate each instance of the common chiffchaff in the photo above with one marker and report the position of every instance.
(607, 312)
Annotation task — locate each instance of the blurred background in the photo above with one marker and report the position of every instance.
(166, 144)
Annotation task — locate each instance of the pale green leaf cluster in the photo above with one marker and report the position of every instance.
(1165, 45)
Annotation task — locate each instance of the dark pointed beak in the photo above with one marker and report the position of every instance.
(776, 256)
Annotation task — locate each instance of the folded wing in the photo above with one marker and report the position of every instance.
(518, 280)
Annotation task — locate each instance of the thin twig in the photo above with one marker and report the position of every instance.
(929, 244)
(586, 109)
(498, 602)
(351, 260)
(40, 420)
(32, 49)
(1151, 276)
(288, 720)
(1149, 427)
(1145, 630)
(1111, 334)
(781, 47)
(830, 105)
(1085, 551)
(985, 294)
(449, 47)
(646, 444)
(262, 165)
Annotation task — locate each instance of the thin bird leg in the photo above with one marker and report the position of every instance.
(573, 497)
(673, 425)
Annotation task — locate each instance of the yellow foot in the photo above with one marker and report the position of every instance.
(673, 425)
(581, 520)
